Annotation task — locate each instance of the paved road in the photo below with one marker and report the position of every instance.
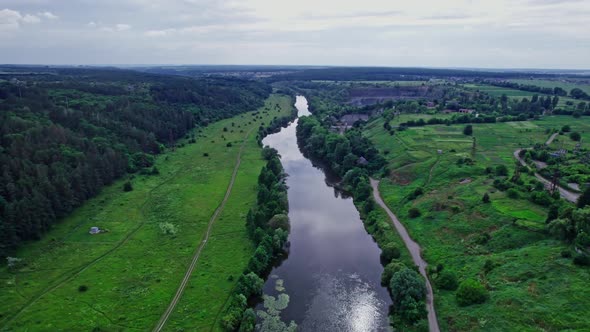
(191, 267)
(415, 251)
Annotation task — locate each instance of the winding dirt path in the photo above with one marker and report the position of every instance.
(415, 251)
(195, 259)
(565, 194)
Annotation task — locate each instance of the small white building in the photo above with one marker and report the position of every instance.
(94, 230)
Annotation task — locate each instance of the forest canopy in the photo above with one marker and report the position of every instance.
(65, 133)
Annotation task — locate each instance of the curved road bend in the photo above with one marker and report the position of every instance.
(565, 194)
(195, 259)
(414, 250)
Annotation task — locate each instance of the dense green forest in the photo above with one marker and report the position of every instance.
(65, 133)
(393, 74)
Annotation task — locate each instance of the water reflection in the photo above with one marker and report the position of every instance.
(332, 273)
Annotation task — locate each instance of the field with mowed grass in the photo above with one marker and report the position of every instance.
(124, 279)
(503, 243)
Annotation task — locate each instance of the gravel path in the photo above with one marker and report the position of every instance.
(415, 251)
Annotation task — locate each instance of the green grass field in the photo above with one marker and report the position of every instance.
(567, 86)
(532, 288)
(497, 91)
(132, 272)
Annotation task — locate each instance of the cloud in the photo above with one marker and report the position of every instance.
(122, 27)
(159, 33)
(49, 15)
(119, 27)
(13, 19)
(32, 19)
(9, 19)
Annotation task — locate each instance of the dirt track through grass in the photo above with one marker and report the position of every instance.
(415, 252)
(189, 271)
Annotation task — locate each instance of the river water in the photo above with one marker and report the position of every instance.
(332, 273)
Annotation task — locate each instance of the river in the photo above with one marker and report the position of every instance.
(332, 273)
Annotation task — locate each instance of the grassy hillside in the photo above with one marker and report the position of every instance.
(124, 279)
(502, 243)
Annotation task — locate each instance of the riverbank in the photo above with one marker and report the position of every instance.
(416, 254)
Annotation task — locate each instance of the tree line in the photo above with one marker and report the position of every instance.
(268, 227)
(64, 137)
(575, 93)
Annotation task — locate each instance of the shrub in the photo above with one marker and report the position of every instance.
(205, 154)
(501, 170)
(389, 252)
(471, 292)
(127, 186)
(279, 221)
(485, 198)
(82, 288)
(168, 228)
(389, 270)
(566, 129)
(414, 213)
(582, 260)
(566, 254)
(575, 136)
(155, 171)
(408, 292)
(447, 280)
(229, 145)
(512, 193)
(468, 130)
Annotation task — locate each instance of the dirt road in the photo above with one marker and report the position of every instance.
(191, 267)
(565, 194)
(415, 251)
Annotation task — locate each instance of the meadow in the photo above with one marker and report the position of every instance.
(497, 91)
(502, 244)
(567, 86)
(124, 279)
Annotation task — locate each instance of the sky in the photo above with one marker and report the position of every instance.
(449, 33)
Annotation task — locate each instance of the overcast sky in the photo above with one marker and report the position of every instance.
(449, 33)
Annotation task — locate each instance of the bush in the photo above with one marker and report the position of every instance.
(468, 130)
(168, 228)
(582, 260)
(512, 193)
(82, 288)
(447, 280)
(389, 270)
(566, 129)
(408, 292)
(205, 154)
(229, 145)
(501, 170)
(566, 254)
(414, 213)
(485, 198)
(389, 252)
(575, 136)
(471, 292)
(127, 186)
